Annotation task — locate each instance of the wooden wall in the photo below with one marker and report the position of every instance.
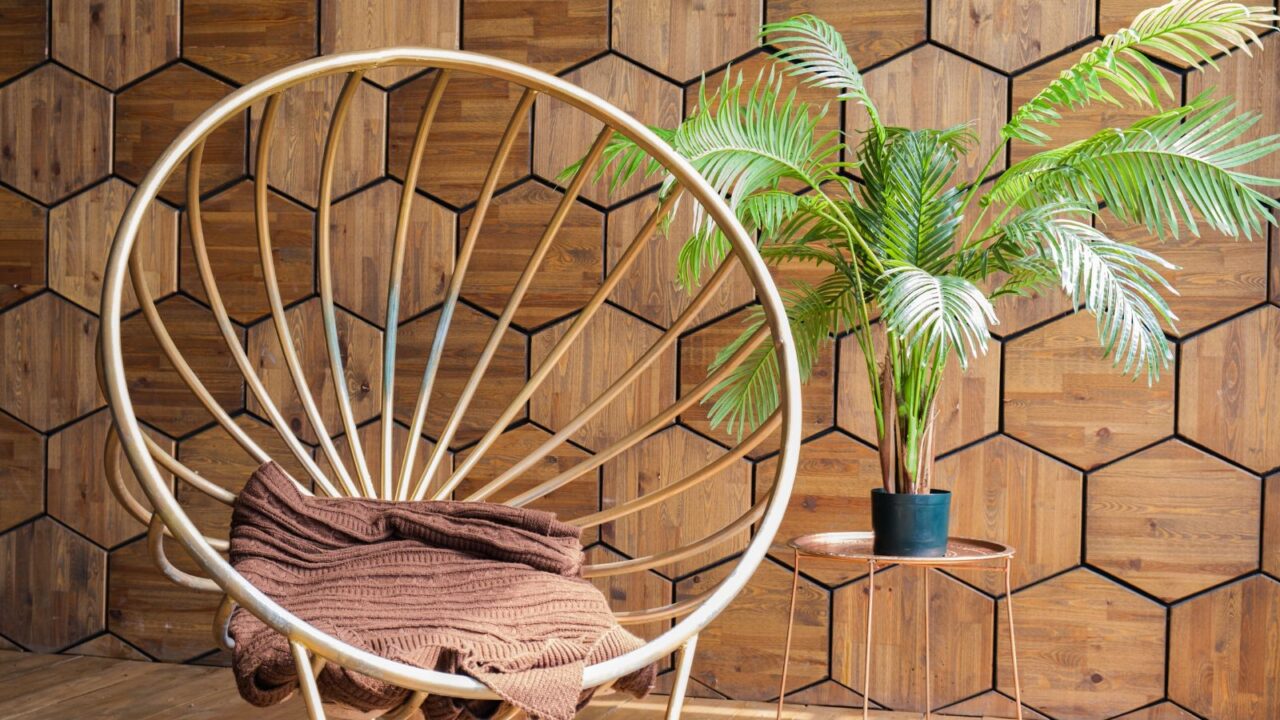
(1147, 519)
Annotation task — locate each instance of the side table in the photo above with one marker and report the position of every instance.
(962, 554)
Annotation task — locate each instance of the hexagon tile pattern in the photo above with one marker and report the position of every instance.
(1011, 34)
(1116, 641)
(54, 586)
(1234, 400)
(1224, 661)
(55, 133)
(1128, 505)
(1173, 534)
(1062, 396)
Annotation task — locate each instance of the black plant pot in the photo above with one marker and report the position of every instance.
(908, 525)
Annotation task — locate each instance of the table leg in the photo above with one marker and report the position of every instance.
(1013, 643)
(866, 653)
(791, 617)
(928, 670)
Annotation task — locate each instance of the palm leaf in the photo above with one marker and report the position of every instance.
(944, 312)
(1188, 30)
(749, 394)
(817, 52)
(907, 206)
(1159, 172)
(1114, 281)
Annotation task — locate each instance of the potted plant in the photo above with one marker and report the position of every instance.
(892, 239)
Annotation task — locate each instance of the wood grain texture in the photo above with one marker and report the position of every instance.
(1062, 396)
(160, 397)
(1233, 371)
(567, 277)
(23, 36)
(55, 133)
(872, 30)
(757, 619)
(218, 458)
(562, 134)
(828, 693)
(360, 346)
(47, 350)
(832, 491)
(990, 705)
(959, 638)
(550, 35)
(244, 41)
(21, 472)
(1173, 534)
(80, 235)
(468, 127)
(682, 39)
(167, 621)
(1224, 661)
(150, 115)
(951, 90)
(231, 238)
(1080, 123)
(370, 436)
(357, 25)
(1011, 34)
(302, 127)
(634, 591)
(52, 586)
(468, 334)
(611, 343)
(698, 350)
(1162, 711)
(578, 498)
(22, 247)
(115, 41)
(1250, 81)
(659, 461)
(650, 288)
(364, 227)
(968, 401)
(1217, 275)
(108, 646)
(1005, 491)
(1271, 527)
(1116, 641)
(79, 495)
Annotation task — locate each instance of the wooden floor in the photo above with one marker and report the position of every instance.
(71, 687)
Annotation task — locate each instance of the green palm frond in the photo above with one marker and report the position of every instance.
(749, 394)
(816, 49)
(936, 312)
(1188, 30)
(1115, 281)
(1159, 172)
(906, 204)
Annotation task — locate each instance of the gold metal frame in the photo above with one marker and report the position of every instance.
(962, 554)
(311, 648)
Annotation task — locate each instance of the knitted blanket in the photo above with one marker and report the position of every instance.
(490, 591)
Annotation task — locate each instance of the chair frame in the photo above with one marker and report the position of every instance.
(311, 648)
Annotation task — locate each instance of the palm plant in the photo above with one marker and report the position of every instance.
(892, 242)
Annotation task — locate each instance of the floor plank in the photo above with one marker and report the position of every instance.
(90, 688)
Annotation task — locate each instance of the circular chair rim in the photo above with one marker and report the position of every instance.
(249, 597)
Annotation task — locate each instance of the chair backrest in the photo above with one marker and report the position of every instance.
(436, 379)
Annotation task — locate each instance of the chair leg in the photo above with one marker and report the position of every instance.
(684, 665)
(307, 682)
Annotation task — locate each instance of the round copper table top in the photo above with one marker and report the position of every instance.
(858, 546)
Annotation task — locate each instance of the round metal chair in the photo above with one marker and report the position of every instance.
(342, 477)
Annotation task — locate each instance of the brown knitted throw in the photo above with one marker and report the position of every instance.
(487, 590)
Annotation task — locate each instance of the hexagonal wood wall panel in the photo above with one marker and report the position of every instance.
(1128, 504)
